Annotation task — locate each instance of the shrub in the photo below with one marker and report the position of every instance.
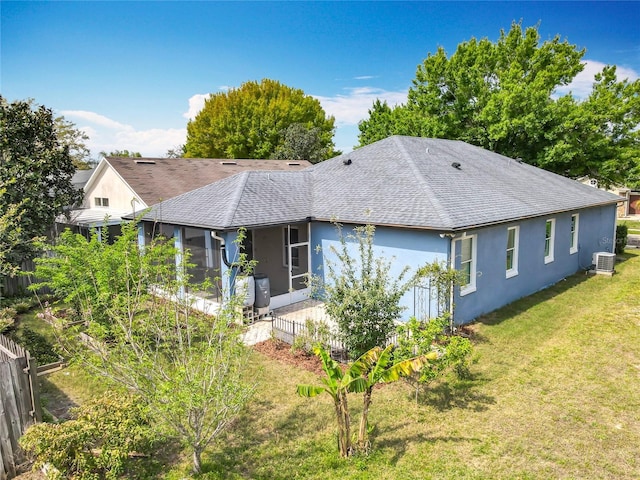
(7, 318)
(622, 231)
(96, 442)
(38, 345)
(313, 333)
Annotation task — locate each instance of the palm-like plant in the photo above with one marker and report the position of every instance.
(374, 366)
(337, 384)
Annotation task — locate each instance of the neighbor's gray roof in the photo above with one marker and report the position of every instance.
(401, 181)
(81, 177)
(158, 179)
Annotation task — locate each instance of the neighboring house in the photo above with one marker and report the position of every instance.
(632, 204)
(123, 185)
(81, 177)
(511, 228)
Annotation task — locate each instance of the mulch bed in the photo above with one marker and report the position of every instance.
(283, 353)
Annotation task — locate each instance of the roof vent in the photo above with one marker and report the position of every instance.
(293, 164)
(456, 165)
(347, 161)
(145, 162)
(228, 162)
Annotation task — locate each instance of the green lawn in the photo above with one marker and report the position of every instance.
(554, 393)
(632, 225)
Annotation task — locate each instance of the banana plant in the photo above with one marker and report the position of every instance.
(337, 384)
(376, 366)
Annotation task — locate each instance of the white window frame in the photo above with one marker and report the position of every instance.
(513, 271)
(549, 240)
(101, 201)
(471, 286)
(575, 230)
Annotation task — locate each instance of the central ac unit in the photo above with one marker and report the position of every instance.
(604, 262)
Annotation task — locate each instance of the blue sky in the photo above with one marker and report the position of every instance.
(131, 74)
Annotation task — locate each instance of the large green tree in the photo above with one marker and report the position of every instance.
(251, 121)
(75, 140)
(503, 96)
(35, 176)
(302, 143)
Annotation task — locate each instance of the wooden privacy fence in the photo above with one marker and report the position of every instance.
(19, 402)
(18, 285)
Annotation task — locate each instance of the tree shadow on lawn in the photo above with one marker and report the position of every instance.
(461, 394)
(54, 400)
(523, 304)
(399, 446)
(235, 452)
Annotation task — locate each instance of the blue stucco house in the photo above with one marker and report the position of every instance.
(511, 228)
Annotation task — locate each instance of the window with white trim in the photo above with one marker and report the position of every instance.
(467, 264)
(549, 240)
(513, 239)
(101, 201)
(575, 224)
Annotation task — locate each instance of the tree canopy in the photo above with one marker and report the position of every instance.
(302, 143)
(503, 96)
(35, 177)
(122, 153)
(74, 139)
(251, 122)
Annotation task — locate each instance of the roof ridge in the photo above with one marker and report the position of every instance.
(237, 196)
(433, 199)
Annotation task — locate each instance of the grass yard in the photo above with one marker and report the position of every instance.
(555, 393)
(632, 225)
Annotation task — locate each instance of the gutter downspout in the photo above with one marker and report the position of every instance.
(223, 248)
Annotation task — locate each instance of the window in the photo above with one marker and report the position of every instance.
(513, 234)
(291, 236)
(468, 264)
(550, 233)
(101, 201)
(575, 222)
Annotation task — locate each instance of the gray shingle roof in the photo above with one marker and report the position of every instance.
(401, 181)
(244, 200)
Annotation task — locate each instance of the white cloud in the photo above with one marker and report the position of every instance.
(95, 118)
(106, 135)
(364, 77)
(582, 84)
(196, 103)
(352, 107)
